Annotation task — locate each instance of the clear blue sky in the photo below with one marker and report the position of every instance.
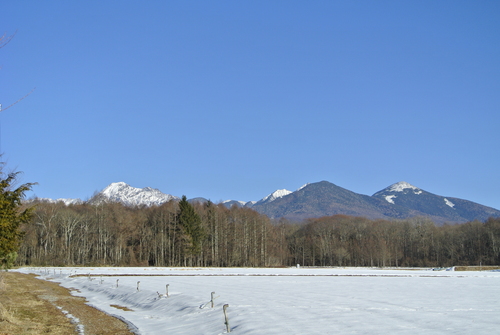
(235, 99)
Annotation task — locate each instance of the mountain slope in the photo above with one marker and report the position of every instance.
(439, 208)
(324, 198)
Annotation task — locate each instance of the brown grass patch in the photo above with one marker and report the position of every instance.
(477, 268)
(2, 282)
(34, 306)
(6, 315)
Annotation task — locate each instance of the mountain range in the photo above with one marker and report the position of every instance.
(398, 201)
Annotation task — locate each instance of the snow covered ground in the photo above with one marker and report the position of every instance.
(290, 300)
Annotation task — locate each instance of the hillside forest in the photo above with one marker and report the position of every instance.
(179, 233)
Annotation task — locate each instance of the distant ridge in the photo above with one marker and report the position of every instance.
(66, 201)
(397, 201)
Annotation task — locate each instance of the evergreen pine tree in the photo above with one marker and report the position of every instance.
(12, 215)
(191, 223)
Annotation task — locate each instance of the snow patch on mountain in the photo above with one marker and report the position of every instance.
(389, 198)
(302, 186)
(449, 203)
(133, 196)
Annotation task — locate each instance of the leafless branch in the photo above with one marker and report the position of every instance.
(4, 39)
(2, 109)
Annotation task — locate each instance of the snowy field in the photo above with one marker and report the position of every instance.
(289, 300)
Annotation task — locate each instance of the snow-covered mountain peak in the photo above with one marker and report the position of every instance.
(276, 195)
(133, 196)
(401, 186)
(114, 188)
(398, 189)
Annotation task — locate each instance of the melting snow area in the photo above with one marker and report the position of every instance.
(449, 203)
(79, 327)
(289, 300)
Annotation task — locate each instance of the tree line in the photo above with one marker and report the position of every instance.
(176, 233)
(179, 233)
(416, 242)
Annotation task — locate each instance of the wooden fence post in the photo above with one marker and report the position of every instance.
(225, 316)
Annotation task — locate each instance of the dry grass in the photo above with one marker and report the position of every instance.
(33, 306)
(6, 315)
(22, 312)
(477, 268)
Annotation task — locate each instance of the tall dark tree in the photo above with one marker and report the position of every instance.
(12, 214)
(191, 223)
